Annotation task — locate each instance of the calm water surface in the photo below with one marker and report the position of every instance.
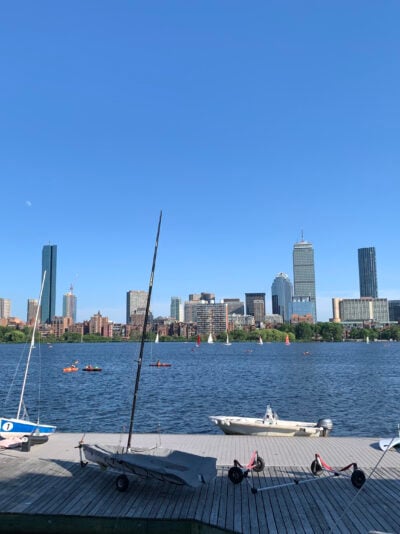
(357, 385)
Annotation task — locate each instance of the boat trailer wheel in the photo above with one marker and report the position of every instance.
(122, 483)
(316, 468)
(358, 478)
(259, 465)
(235, 475)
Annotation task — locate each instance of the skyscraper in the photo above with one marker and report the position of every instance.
(304, 273)
(69, 305)
(136, 301)
(255, 306)
(49, 264)
(281, 293)
(367, 272)
(176, 309)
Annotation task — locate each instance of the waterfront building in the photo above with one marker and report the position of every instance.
(5, 308)
(302, 309)
(60, 325)
(281, 294)
(49, 264)
(100, 325)
(31, 310)
(240, 322)
(394, 310)
(135, 301)
(69, 305)
(176, 309)
(212, 318)
(304, 273)
(361, 311)
(250, 298)
(367, 272)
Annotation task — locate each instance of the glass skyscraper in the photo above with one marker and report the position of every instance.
(367, 272)
(281, 292)
(49, 264)
(304, 273)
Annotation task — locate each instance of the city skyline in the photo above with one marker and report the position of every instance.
(283, 293)
(248, 128)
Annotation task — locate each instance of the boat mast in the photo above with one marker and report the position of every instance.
(146, 316)
(21, 399)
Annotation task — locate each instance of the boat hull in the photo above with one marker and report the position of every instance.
(20, 428)
(249, 426)
(167, 465)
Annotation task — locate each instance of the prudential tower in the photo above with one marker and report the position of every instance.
(304, 275)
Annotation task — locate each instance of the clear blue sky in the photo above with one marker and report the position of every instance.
(246, 123)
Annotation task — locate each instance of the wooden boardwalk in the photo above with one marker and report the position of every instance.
(47, 488)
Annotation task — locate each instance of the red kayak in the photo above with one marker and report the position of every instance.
(160, 364)
(92, 368)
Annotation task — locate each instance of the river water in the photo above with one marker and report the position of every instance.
(357, 385)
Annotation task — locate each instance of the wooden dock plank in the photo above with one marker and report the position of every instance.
(41, 483)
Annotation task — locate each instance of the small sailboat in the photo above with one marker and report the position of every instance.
(21, 426)
(367, 339)
(287, 341)
(157, 340)
(227, 342)
(198, 341)
(210, 338)
(260, 341)
(159, 463)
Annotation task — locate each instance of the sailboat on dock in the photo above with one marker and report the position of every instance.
(159, 463)
(21, 426)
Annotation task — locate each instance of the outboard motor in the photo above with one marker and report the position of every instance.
(326, 425)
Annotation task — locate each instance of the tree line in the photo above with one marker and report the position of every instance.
(330, 332)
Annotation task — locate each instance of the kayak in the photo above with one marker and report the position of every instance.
(91, 368)
(159, 364)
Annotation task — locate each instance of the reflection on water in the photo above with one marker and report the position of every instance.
(357, 385)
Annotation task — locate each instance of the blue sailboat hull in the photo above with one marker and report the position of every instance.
(20, 427)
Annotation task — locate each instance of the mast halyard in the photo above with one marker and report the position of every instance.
(146, 316)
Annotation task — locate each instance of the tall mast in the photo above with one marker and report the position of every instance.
(146, 316)
(21, 399)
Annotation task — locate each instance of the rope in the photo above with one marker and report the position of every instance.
(360, 489)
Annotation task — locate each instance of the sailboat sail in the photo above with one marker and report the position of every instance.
(210, 338)
(163, 464)
(21, 426)
(198, 341)
(260, 341)
(287, 342)
(157, 338)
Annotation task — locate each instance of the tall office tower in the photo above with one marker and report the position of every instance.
(176, 309)
(49, 264)
(135, 301)
(304, 273)
(250, 298)
(281, 292)
(367, 272)
(69, 305)
(31, 310)
(5, 308)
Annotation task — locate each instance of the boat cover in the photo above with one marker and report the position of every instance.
(168, 465)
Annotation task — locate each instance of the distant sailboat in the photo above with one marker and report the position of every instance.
(198, 341)
(227, 342)
(367, 339)
(210, 338)
(157, 338)
(260, 341)
(287, 342)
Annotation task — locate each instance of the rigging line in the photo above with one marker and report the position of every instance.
(146, 316)
(362, 487)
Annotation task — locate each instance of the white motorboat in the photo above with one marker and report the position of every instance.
(271, 425)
